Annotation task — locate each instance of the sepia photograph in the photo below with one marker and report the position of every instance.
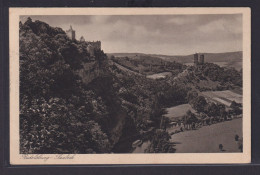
(132, 84)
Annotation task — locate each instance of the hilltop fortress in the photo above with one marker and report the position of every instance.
(91, 69)
(92, 46)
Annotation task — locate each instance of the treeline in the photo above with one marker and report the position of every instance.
(148, 64)
(209, 77)
(141, 99)
(226, 76)
(211, 109)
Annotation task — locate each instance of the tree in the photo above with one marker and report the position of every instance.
(189, 118)
(199, 103)
(222, 110)
(236, 110)
(191, 96)
(213, 110)
(157, 113)
(160, 143)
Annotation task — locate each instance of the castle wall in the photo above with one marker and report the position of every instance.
(91, 50)
(95, 44)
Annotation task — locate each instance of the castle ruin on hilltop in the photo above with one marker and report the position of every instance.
(92, 45)
(198, 59)
(91, 70)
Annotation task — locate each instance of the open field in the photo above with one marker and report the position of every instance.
(178, 111)
(159, 75)
(224, 97)
(208, 138)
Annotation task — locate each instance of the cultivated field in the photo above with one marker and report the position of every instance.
(208, 138)
(178, 111)
(159, 75)
(224, 97)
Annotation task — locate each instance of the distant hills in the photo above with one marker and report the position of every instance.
(230, 59)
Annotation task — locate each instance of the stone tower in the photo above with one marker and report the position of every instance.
(196, 59)
(71, 33)
(201, 59)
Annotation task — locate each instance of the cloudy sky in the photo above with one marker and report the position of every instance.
(156, 34)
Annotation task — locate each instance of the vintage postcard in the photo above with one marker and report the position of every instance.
(130, 85)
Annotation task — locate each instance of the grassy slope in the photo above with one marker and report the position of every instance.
(197, 141)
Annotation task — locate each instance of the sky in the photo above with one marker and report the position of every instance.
(155, 34)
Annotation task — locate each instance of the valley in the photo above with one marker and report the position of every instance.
(77, 99)
(228, 59)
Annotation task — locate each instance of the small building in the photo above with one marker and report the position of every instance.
(82, 39)
(96, 44)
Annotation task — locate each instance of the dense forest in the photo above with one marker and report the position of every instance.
(61, 112)
(56, 110)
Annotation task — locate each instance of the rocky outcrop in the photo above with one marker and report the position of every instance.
(90, 71)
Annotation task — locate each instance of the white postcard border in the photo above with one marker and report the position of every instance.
(166, 158)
